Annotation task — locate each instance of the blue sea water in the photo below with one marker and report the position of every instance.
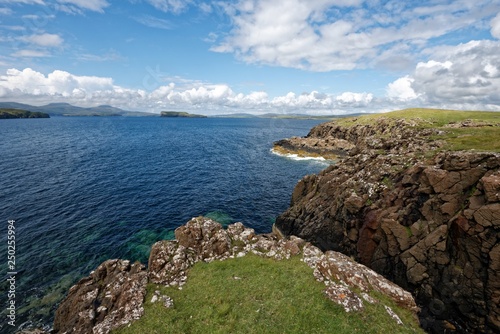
(85, 189)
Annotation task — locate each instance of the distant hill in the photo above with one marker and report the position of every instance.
(66, 109)
(180, 114)
(286, 116)
(6, 113)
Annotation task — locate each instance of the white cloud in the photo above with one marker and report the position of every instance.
(401, 89)
(174, 6)
(325, 35)
(77, 5)
(495, 26)
(45, 40)
(30, 54)
(30, 86)
(466, 76)
(154, 22)
(5, 11)
(28, 2)
(111, 55)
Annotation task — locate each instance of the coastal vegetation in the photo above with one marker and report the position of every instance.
(460, 130)
(6, 113)
(253, 294)
(415, 197)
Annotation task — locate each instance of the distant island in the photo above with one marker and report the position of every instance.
(20, 113)
(66, 109)
(180, 114)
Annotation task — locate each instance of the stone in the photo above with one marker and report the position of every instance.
(110, 297)
(491, 187)
(206, 237)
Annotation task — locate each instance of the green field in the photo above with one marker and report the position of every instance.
(484, 136)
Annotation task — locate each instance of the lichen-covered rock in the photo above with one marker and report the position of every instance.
(431, 226)
(110, 297)
(341, 275)
(169, 262)
(204, 236)
(113, 294)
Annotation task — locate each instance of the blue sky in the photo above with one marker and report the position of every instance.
(257, 56)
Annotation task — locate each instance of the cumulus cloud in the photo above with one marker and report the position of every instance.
(360, 99)
(325, 35)
(466, 76)
(30, 86)
(401, 89)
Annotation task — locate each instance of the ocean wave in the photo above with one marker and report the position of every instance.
(299, 158)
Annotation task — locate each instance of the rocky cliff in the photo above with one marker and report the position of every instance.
(426, 218)
(113, 294)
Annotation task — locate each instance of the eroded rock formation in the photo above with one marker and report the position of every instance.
(110, 297)
(113, 294)
(431, 225)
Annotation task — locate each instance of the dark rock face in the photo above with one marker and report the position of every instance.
(110, 297)
(432, 227)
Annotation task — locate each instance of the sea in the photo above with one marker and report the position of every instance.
(80, 190)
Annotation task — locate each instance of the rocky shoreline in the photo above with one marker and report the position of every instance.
(426, 218)
(113, 295)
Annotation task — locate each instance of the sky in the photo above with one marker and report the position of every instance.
(252, 56)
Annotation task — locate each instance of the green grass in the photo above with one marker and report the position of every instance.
(485, 138)
(270, 297)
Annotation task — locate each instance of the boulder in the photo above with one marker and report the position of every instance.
(110, 297)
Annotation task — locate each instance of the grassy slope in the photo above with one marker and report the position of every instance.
(269, 297)
(485, 138)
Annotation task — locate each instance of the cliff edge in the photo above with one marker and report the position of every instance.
(114, 295)
(406, 200)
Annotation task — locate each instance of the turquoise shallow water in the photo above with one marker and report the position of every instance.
(83, 190)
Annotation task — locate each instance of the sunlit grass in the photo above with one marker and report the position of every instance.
(259, 295)
(484, 138)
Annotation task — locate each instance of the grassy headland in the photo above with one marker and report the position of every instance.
(461, 130)
(253, 294)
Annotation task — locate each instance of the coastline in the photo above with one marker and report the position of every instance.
(393, 203)
(416, 199)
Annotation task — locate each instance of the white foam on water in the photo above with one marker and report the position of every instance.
(299, 158)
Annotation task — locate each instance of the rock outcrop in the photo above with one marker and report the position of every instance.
(110, 297)
(114, 293)
(202, 239)
(431, 225)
